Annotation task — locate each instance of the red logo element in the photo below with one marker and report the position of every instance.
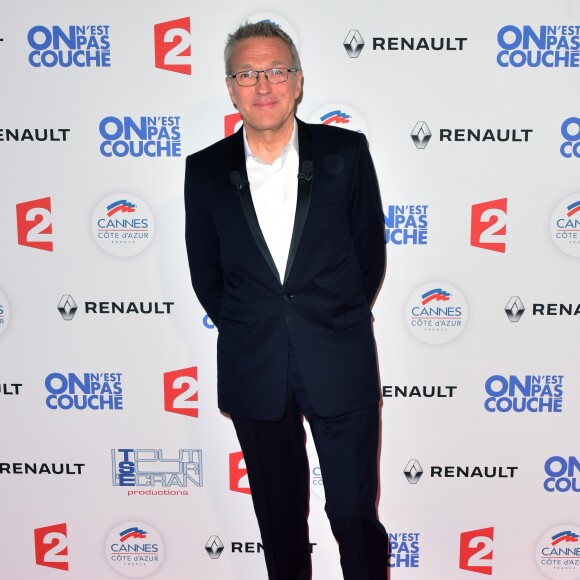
(180, 392)
(34, 224)
(238, 472)
(231, 123)
(488, 225)
(173, 45)
(476, 551)
(51, 546)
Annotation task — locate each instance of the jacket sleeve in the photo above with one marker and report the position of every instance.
(367, 221)
(202, 242)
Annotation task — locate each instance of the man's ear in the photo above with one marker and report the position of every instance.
(231, 90)
(299, 80)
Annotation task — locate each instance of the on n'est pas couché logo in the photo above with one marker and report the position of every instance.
(79, 46)
(570, 130)
(539, 46)
(406, 224)
(151, 136)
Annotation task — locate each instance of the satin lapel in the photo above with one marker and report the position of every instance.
(304, 193)
(248, 206)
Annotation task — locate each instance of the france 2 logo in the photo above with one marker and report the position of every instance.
(232, 123)
(173, 45)
(51, 546)
(180, 392)
(239, 473)
(34, 224)
(476, 551)
(488, 225)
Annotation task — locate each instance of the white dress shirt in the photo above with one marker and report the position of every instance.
(274, 193)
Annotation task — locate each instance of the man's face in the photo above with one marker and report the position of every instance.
(264, 107)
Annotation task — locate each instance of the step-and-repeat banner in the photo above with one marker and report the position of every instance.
(115, 460)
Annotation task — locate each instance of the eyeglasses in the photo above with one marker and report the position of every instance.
(275, 76)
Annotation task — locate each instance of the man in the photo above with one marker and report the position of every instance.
(285, 240)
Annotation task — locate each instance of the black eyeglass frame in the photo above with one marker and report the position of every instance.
(265, 71)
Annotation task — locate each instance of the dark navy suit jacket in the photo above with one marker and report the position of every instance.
(321, 303)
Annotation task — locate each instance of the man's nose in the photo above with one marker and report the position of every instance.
(263, 85)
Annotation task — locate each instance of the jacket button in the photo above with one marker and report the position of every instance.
(287, 297)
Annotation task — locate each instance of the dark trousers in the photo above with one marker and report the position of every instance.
(278, 472)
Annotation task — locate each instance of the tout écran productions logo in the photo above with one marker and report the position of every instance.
(134, 549)
(70, 46)
(406, 224)
(92, 391)
(558, 552)
(529, 393)
(123, 225)
(157, 472)
(158, 136)
(436, 313)
(539, 46)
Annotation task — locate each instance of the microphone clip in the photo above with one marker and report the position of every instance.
(306, 171)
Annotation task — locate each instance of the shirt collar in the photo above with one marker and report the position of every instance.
(292, 144)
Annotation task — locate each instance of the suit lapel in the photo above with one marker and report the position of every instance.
(304, 193)
(302, 202)
(239, 163)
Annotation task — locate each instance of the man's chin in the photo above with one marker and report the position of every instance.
(260, 125)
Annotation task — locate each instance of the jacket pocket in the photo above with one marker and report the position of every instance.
(351, 317)
(233, 328)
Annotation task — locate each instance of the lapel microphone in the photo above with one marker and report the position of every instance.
(306, 172)
(236, 179)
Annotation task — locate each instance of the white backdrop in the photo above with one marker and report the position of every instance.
(485, 502)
